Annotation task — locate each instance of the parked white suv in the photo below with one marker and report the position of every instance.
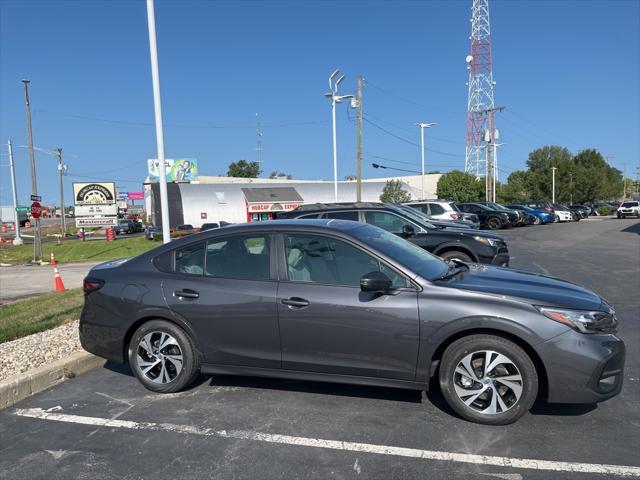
(629, 209)
(562, 214)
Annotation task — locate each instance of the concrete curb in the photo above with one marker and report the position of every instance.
(18, 387)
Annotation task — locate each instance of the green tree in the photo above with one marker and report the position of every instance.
(244, 169)
(459, 186)
(394, 193)
(516, 190)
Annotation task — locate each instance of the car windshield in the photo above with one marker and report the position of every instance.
(630, 204)
(406, 253)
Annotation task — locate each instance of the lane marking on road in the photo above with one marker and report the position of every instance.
(522, 463)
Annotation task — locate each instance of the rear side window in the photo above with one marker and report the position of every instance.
(190, 259)
(352, 215)
(246, 257)
(436, 209)
(387, 221)
(421, 207)
(310, 215)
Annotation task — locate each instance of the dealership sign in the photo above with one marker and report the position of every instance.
(83, 222)
(177, 170)
(93, 210)
(273, 207)
(94, 193)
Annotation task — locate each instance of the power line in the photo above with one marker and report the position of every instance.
(410, 101)
(413, 131)
(146, 124)
(90, 177)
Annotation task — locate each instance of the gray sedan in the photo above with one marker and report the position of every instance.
(341, 301)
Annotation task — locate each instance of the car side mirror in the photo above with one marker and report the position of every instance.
(375, 282)
(408, 230)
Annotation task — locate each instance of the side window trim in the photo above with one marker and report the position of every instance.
(204, 259)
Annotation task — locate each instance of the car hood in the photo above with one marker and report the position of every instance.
(534, 288)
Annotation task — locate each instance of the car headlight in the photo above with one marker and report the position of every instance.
(583, 321)
(492, 242)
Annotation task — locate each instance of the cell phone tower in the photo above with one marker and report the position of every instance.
(480, 106)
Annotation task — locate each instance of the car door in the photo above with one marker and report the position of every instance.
(329, 325)
(224, 288)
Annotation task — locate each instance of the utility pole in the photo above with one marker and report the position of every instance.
(335, 99)
(17, 240)
(258, 141)
(359, 155)
(37, 246)
(422, 126)
(491, 134)
(624, 181)
(553, 184)
(157, 108)
(61, 169)
(570, 188)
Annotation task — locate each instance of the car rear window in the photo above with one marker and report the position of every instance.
(350, 215)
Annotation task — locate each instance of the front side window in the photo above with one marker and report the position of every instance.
(242, 256)
(318, 259)
(385, 220)
(190, 259)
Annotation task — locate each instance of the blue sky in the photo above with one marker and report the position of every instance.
(568, 72)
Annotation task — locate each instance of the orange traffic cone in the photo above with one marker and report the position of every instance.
(58, 279)
(53, 259)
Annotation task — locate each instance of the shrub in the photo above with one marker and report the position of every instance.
(604, 210)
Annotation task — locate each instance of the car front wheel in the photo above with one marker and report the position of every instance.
(163, 357)
(494, 223)
(488, 379)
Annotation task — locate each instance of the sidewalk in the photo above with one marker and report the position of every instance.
(26, 281)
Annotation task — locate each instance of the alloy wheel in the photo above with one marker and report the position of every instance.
(488, 382)
(159, 357)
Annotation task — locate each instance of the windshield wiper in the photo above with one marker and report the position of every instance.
(453, 271)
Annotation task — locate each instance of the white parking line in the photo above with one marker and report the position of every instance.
(524, 463)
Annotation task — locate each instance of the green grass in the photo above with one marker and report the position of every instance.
(24, 317)
(77, 250)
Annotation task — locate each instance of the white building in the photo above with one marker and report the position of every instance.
(238, 200)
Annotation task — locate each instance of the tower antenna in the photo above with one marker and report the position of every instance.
(258, 141)
(480, 105)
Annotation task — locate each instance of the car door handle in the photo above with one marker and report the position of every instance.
(186, 293)
(295, 302)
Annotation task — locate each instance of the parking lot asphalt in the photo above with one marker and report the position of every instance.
(104, 424)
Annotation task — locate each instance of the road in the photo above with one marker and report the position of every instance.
(26, 281)
(105, 425)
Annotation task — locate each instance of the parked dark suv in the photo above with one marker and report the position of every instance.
(338, 301)
(128, 226)
(468, 245)
(489, 218)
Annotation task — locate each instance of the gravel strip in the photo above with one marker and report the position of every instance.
(26, 353)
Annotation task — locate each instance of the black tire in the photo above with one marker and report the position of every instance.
(519, 359)
(190, 358)
(458, 255)
(494, 223)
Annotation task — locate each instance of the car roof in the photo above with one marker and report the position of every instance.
(314, 223)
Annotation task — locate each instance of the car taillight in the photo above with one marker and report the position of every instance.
(91, 285)
(548, 209)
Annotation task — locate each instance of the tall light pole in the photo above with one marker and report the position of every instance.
(335, 99)
(37, 246)
(61, 169)
(17, 240)
(157, 107)
(553, 184)
(422, 126)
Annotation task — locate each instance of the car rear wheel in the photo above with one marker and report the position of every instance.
(494, 223)
(163, 357)
(456, 255)
(488, 379)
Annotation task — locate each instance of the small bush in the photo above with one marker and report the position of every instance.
(604, 210)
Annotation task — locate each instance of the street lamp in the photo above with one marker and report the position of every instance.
(422, 126)
(335, 99)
